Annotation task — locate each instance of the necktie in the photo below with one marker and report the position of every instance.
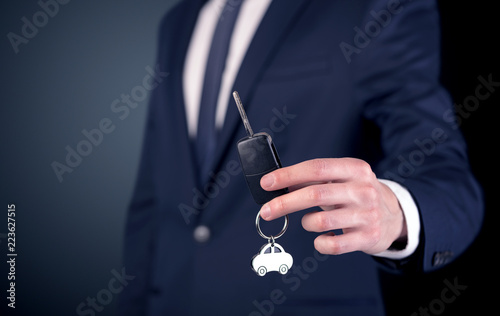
(207, 135)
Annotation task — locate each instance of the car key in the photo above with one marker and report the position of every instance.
(258, 157)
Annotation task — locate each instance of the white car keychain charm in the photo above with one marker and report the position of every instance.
(272, 256)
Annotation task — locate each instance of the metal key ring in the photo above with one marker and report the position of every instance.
(283, 230)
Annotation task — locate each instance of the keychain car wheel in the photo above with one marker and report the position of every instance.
(283, 269)
(261, 271)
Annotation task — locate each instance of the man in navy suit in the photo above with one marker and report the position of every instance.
(350, 93)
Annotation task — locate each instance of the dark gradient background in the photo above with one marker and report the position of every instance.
(64, 80)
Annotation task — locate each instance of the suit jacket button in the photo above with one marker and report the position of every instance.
(201, 234)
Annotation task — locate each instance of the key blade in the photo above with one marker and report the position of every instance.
(243, 114)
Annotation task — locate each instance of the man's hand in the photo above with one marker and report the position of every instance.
(351, 197)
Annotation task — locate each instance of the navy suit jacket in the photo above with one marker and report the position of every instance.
(357, 78)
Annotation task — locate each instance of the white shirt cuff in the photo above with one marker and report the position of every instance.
(410, 212)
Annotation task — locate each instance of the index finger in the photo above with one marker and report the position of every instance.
(316, 170)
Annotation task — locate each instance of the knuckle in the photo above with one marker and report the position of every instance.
(364, 169)
(328, 245)
(323, 221)
(369, 194)
(316, 194)
(278, 205)
(319, 167)
(282, 204)
(280, 175)
(373, 235)
(373, 215)
(335, 247)
(370, 211)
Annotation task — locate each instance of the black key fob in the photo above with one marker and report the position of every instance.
(258, 157)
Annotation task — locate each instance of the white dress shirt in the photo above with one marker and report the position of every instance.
(250, 15)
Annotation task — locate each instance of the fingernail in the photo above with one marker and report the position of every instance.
(265, 211)
(267, 181)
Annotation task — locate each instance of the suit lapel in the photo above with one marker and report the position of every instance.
(276, 23)
(178, 45)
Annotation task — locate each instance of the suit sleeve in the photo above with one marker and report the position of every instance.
(397, 84)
